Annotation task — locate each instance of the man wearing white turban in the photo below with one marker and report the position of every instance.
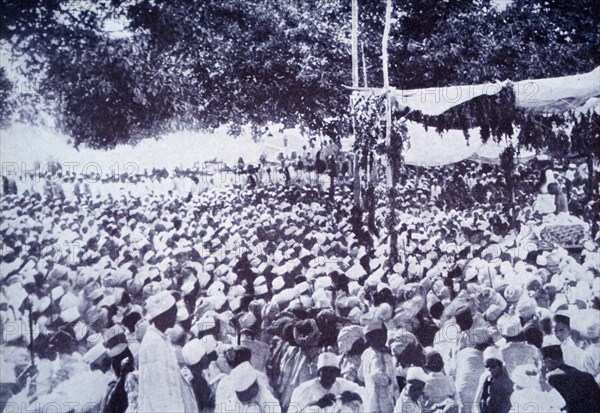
(162, 387)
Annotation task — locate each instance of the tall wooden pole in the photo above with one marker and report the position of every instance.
(364, 64)
(356, 169)
(391, 170)
(355, 43)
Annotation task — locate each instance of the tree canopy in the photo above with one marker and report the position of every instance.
(202, 64)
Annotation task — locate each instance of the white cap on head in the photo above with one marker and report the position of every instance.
(158, 304)
(195, 349)
(115, 340)
(243, 376)
(416, 373)
(278, 284)
(327, 359)
(373, 324)
(492, 352)
(94, 354)
(70, 314)
(261, 289)
(247, 320)
(526, 376)
(509, 326)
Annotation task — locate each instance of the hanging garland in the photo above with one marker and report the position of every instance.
(494, 115)
(369, 113)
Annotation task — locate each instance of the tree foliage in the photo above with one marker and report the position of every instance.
(202, 64)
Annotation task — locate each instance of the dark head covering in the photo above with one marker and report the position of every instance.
(434, 361)
(553, 352)
(237, 356)
(306, 333)
(464, 318)
(561, 318)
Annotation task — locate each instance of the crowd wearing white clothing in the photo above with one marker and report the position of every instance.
(169, 293)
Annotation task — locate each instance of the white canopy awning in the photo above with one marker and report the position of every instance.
(426, 147)
(551, 95)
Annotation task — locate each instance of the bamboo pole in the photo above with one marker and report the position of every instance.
(364, 64)
(355, 43)
(356, 169)
(390, 170)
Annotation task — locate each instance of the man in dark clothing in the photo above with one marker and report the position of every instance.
(495, 386)
(578, 388)
(198, 354)
(115, 343)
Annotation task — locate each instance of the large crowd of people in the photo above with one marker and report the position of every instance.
(170, 293)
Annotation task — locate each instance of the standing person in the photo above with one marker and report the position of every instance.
(533, 393)
(516, 351)
(162, 387)
(328, 382)
(439, 388)
(351, 344)
(333, 173)
(573, 355)
(378, 371)
(469, 368)
(299, 364)
(247, 393)
(411, 397)
(115, 342)
(198, 354)
(544, 202)
(570, 179)
(591, 359)
(579, 389)
(495, 385)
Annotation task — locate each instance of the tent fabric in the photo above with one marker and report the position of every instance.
(428, 148)
(551, 95)
(557, 94)
(435, 101)
(495, 160)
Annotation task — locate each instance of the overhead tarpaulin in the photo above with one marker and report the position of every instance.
(557, 94)
(436, 100)
(490, 152)
(551, 95)
(428, 148)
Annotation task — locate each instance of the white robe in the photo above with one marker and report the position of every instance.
(572, 354)
(591, 361)
(264, 402)
(162, 387)
(537, 400)
(469, 368)
(517, 353)
(311, 391)
(379, 374)
(406, 405)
